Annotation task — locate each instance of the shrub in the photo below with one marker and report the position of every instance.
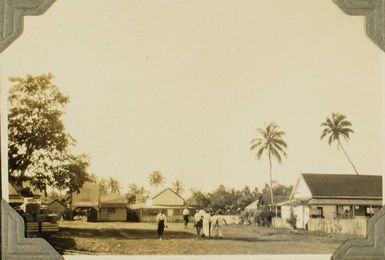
(292, 220)
(265, 217)
(132, 216)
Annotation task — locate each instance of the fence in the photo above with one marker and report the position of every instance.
(280, 223)
(230, 219)
(355, 226)
(152, 218)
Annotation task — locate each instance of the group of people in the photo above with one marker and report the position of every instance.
(207, 224)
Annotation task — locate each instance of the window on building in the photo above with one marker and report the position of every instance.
(344, 211)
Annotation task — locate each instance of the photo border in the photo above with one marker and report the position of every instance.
(13, 243)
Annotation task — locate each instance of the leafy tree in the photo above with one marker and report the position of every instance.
(156, 179)
(93, 178)
(72, 174)
(223, 198)
(270, 142)
(335, 127)
(198, 199)
(39, 146)
(177, 186)
(219, 198)
(246, 196)
(279, 190)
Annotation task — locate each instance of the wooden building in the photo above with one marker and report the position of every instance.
(56, 207)
(167, 200)
(331, 196)
(108, 207)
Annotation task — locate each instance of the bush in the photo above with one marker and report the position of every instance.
(292, 220)
(261, 217)
(132, 216)
(265, 217)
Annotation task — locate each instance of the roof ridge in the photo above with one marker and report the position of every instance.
(342, 174)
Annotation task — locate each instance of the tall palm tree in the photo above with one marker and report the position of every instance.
(114, 185)
(156, 179)
(270, 141)
(177, 186)
(336, 127)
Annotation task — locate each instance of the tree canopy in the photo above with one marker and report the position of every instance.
(223, 198)
(134, 190)
(114, 185)
(334, 128)
(156, 179)
(39, 147)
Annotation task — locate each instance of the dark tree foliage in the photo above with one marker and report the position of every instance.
(224, 199)
(281, 191)
(73, 174)
(114, 185)
(133, 191)
(198, 199)
(334, 128)
(38, 144)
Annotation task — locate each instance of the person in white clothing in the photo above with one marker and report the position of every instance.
(206, 224)
(217, 224)
(186, 214)
(161, 218)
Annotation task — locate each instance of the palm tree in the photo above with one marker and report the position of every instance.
(336, 127)
(156, 179)
(103, 186)
(177, 186)
(270, 142)
(114, 185)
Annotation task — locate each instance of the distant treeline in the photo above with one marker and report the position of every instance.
(231, 199)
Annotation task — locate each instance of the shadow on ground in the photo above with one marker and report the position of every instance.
(120, 233)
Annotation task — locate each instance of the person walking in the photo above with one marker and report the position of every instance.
(186, 214)
(161, 218)
(198, 222)
(218, 222)
(206, 224)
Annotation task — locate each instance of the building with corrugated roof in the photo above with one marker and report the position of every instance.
(333, 196)
(167, 200)
(105, 207)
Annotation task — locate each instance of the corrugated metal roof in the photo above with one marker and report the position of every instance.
(344, 185)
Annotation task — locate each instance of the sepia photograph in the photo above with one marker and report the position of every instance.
(194, 127)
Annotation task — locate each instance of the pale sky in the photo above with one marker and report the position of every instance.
(181, 86)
